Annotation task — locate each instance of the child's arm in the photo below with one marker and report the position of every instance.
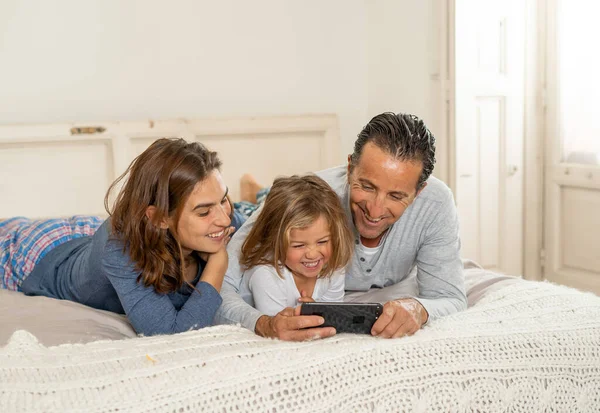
(335, 292)
(268, 289)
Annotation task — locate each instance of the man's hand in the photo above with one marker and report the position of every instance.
(400, 318)
(287, 325)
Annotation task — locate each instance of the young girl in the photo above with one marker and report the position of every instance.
(297, 247)
(161, 256)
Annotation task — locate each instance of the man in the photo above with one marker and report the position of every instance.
(401, 217)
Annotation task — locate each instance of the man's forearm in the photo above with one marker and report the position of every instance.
(234, 310)
(417, 309)
(441, 307)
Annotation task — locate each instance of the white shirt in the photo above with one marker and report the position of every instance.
(269, 293)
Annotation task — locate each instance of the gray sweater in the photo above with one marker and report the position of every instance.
(426, 235)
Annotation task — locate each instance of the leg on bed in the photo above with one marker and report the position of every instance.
(249, 188)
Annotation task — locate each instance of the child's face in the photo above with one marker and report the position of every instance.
(309, 249)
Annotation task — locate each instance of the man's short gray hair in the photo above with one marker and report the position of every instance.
(403, 136)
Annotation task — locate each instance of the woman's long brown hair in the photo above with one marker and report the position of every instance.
(297, 202)
(163, 176)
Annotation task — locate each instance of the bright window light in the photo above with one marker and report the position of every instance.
(578, 80)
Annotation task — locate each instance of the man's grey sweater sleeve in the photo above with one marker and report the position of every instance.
(233, 309)
(439, 267)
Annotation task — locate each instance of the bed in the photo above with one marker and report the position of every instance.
(522, 346)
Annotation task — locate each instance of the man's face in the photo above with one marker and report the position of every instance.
(381, 188)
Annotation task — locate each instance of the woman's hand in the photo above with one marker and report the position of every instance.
(216, 263)
(228, 233)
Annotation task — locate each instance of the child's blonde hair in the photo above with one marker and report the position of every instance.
(293, 203)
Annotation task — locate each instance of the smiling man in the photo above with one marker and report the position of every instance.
(402, 217)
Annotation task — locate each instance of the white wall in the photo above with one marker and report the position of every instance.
(77, 60)
(407, 66)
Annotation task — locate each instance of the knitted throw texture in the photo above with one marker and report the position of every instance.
(525, 347)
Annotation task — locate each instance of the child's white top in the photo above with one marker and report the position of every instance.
(267, 292)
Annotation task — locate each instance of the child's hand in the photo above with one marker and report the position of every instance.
(305, 298)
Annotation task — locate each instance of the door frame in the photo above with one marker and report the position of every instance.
(535, 132)
(534, 125)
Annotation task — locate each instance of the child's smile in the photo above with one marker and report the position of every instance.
(309, 249)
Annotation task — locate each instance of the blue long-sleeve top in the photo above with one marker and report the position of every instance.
(98, 272)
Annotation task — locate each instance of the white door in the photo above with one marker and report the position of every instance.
(572, 140)
(489, 99)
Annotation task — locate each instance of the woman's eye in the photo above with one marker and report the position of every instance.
(323, 242)
(203, 213)
(297, 246)
(224, 201)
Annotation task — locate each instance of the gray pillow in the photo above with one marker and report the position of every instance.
(56, 322)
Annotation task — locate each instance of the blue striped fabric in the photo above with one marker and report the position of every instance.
(247, 208)
(24, 242)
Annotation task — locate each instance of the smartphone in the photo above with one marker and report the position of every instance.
(357, 318)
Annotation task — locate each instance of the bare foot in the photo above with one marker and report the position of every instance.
(249, 188)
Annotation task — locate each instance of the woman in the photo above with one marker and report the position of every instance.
(160, 258)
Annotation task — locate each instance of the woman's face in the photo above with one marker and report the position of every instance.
(205, 216)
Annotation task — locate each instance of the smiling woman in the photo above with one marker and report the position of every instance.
(160, 258)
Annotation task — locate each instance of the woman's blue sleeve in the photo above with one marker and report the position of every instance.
(150, 312)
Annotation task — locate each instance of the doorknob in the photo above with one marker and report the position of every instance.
(512, 169)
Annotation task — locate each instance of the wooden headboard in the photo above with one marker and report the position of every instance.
(65, 169)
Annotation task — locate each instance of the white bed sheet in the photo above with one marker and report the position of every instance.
(521, 346)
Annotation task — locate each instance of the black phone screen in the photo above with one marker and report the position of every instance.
(355, 318)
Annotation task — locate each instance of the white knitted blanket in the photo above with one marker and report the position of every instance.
(526, 347)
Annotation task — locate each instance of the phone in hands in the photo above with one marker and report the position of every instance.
(357, 318)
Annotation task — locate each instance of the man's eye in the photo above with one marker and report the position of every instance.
(367, 188)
